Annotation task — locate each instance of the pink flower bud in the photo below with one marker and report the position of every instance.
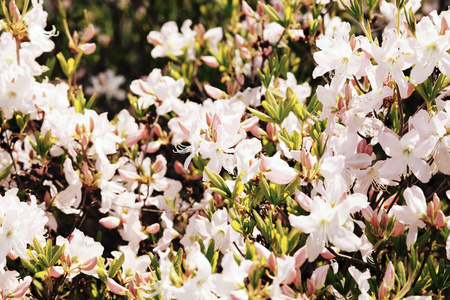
(444, 26)
(14, 10)
(110, 222)
(260, 8)
(13, 255)
(310, 290)
(129, 176)
(210, 61)
(248, 124)
(247, 10)
(375, 222)
(430, 210)
(88, 177)
(353, 42)
(303, 200)
(89, 264)
(156, 130)
(384, 219)
(151, 147)
(300, 257)
(436, 202)
(440, 220)
(271, 129)
(399, 228)
(272, 261)
(361, 147)
(382, 290)
(306, 159)
(245, 53)
(389, 276)
(135, 137)
(327, 254)
(256, 131)
(154, 228)
(91, 124)
(21, 289)
(159, 164)
(287, 291)
(89, 33)
(214, 92)
(296, 34)
(298, 278)
(56, 272)
(179, 168)
(367, 213)
(88, 48)
(115, 287)
(239, 41)
(319, 275)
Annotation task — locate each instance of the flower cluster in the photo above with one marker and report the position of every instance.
(316, 167)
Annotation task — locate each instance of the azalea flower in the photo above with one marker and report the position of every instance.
(413, 213)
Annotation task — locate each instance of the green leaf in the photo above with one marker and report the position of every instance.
(262, 116)
(272, 13)
(115, 266)
(57, 254)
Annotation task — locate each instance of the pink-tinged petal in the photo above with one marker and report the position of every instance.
(214, 92)
(115, 287)
(327, 254)
(281, 174)
(303, 200)
(151, 147)
(420, 168)
(22, 288)
(390, 144)
(319, 275)
(56, 272)
(89, 264)
(300, 257)
(389, 276)
(88, 48)
(129, 176)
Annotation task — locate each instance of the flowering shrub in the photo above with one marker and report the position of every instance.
(301, 151)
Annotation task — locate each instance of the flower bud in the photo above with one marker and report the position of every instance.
(353, 42)
(248, 124)
(300, 257)
(399, 228)
(239, 41)
(245, 53)
(158, 165)
(214, 92)
(154, 228)
(367, 213)
(247, 10)
(88, 177)
(389, 276)
(135, 137)
(303, 200)
(271, 129)
(21, 289)
(110, 222)
(14, 10)
(88, 48)
(13, 255)
(210, 61)
(89, 264)
(440, 220)
(272, 261)
(382, 290)
(179, 168)
(115, 287)
(151, 147)
(156, 130)
(56, 272)
(89, 33)
(436, 202)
